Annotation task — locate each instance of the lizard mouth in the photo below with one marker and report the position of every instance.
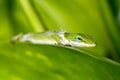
(82, 44)
(92, 45)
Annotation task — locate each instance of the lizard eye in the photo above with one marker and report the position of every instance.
(78, 39)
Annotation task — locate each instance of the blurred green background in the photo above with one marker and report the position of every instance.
(98, 18)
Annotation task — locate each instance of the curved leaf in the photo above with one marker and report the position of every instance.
(45, 62)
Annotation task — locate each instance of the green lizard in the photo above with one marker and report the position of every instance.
(56, 38)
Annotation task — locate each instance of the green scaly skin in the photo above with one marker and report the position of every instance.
(57, 38)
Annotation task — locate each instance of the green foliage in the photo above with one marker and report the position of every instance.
(34, 62)
(98, 18)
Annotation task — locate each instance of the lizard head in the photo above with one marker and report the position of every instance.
(79, 40)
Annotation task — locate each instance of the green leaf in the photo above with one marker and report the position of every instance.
(46, 62)
(110, 26)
